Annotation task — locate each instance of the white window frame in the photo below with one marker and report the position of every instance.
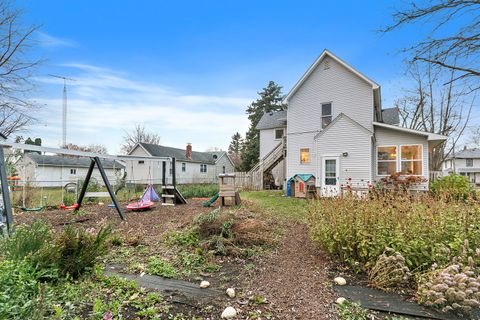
(398, 161)
(300, 156)
(203, 168)
(73, 171)
(275, 133)
(322, 116)
(467, 163)
(399, 157)
(184, 167)
(376, 158)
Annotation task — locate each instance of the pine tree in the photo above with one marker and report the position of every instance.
(270, 100)
(236, 144)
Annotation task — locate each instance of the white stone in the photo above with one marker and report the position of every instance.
(340, 281)
(204, 284)
(231, 292)
(341, 300)
(229, 313)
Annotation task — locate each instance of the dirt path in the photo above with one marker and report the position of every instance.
(294, 279)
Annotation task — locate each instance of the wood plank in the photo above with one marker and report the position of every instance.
(97, 195)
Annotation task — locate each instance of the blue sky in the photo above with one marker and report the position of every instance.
(188, 69)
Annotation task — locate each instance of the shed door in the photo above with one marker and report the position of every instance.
(330, 180)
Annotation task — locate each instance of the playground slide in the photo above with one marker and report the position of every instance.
(212, 200)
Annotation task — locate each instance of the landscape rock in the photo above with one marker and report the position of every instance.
(229, 313)
(340, 281)
(341, 300)
(231, 292)
(204, 284)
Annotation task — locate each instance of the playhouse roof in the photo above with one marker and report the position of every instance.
(304, 176)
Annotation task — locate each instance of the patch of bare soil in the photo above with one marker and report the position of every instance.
(294, 279)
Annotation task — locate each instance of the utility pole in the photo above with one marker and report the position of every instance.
(64, 107)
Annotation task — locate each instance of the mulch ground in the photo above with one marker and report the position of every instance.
(294, 279)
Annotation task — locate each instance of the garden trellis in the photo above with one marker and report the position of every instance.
(96, 160)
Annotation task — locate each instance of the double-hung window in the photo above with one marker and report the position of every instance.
(411, 160)
(278, 134)
(469, 162)
(304, 155)
(184, 167)
(386, 160)
(326, 114)
(203, 168)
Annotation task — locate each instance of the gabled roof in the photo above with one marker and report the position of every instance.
(315, 65)
(430, 136)
(341, 116)
(76, 162)
(466, 154)
(272, 120)
(391, 116)
(156, 150)
(303, 176)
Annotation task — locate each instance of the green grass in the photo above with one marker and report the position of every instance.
(274, 202)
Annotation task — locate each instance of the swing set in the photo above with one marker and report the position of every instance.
(170, 194)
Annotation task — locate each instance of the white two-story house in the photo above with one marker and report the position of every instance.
(337, 131)
(466, 163)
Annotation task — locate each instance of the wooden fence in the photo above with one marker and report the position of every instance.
(248, 181)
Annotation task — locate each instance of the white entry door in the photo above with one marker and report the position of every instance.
(330, 173)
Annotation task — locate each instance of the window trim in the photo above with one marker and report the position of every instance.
(309, 157)
(398, 161)
(184, 167)
(275, 133)
(376, 158)
(466, 163)
(73, 171)
(400, 158)
(203, 165)
(322, 116)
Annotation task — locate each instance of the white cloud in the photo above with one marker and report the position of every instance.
(103, 104)
(47, 40)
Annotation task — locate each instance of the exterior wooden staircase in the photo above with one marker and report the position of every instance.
(262, 170)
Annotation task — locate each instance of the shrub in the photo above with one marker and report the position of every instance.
(185, 238)
(69, 199)
(453, 187)
(423, 230)
(27, 240)
(455, 287)
(79, 250)
(389, 271)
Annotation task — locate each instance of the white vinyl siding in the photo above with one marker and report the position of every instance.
(352, 144)
(268, 142)
(348, 94)
(389, 137)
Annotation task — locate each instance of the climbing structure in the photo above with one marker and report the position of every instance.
(228, 189)
(170, 194)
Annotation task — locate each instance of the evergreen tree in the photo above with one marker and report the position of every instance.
(236, 144)
(270, 100)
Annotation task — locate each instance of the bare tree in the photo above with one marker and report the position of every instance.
(139, 134)
(15, 70)
(95, 148)
(434, 107)
(453, 42)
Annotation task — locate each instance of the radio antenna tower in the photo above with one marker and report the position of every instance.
(64, 110)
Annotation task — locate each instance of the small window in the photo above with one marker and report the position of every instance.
(326, 114)
(411, 160)
(278, 134)
(203, 168)
(386, 160)
(224, 169)
(304, 156)
(215, 157)
(141, 162)
(184, 167)
(73, 171)
(469, 162)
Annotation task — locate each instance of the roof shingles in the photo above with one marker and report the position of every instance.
(162, 151)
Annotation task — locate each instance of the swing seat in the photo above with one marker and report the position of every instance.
(140, 205)
(32, 209)
(72, 207)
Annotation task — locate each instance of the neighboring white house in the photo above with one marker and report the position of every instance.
(336, 130)
(55, 171)
(191, 166)
(465, 162)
